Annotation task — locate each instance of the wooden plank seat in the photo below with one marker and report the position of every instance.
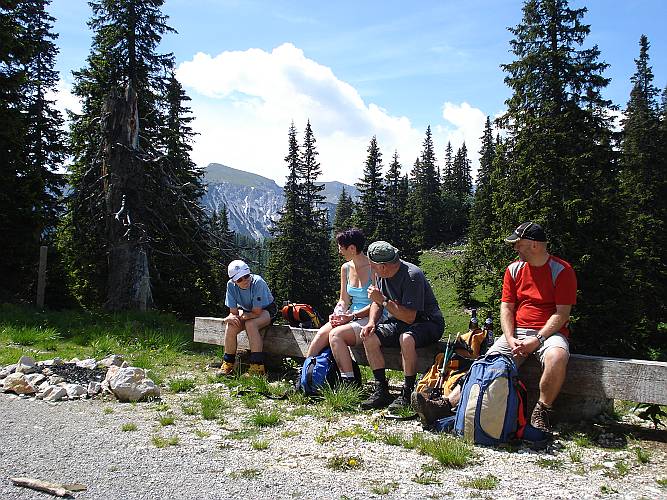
(591, 385)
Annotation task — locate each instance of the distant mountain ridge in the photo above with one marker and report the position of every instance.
(253, 201)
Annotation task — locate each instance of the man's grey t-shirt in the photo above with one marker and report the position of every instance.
(410, 288)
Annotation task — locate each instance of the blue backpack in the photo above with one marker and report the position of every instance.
(320, 370)
(492, 409)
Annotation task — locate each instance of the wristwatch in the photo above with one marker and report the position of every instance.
(540, 339)
(384, 303)
(354, 317)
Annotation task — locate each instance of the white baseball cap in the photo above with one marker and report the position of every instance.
(237, 269)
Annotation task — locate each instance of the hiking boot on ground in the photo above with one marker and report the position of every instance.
(430, 410)
(256, 370)
(349, 382)
(379, 399)
(227, 369)
(541, 417)
(402, 401)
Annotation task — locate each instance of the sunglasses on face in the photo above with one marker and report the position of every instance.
(243, 278)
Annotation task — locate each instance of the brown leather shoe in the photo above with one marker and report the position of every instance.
(541, 417)
(430, 410)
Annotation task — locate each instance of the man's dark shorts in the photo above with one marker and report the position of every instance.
(424, 333)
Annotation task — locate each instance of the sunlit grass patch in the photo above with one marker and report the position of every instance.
(550, 463)
(643, 456)
(265, 419)
(182, 384)
(259, 444)
(129, 427)
(447, 450)
(380, 488)
(46, 337)
(342, 397)
(161, 442)
(243, 434)
(166, 419)
(211, 404)
(344, 462)
(488, 482)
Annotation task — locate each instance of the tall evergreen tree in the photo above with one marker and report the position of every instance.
(344, 212)
(301, 266)
(32, 145)
(370, 206)
(397, 224)
(425, 200)
(561, 164)
(643, 182)
(481, 215)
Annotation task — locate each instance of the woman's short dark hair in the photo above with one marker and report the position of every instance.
(352, 236)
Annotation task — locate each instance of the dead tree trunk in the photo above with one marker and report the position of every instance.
(124, 169)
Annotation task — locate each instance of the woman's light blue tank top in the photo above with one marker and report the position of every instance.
(358, 295)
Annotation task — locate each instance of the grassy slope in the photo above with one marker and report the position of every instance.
(440, 272)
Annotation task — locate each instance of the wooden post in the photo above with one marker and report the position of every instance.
(41, 276)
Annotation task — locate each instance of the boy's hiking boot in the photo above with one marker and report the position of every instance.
(430, 410)
(379, 399)
(227, 369)
(256, 370)
(402, 401)
(541, 417)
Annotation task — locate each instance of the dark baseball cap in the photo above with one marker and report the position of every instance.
(382, 252)
(527, 231)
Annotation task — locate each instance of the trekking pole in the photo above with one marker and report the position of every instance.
(443, 368)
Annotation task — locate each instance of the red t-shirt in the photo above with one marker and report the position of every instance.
(535, 291)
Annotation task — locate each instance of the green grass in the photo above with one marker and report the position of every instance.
(161, 442)
(357, 431)
(344, 462)
(384, 488)
(129, 427)
(152, 340)
(343, 398)
(575, 456)
(182, 384)
(265, 419)
(643, 456)
(107, 410)
(211, 404)
(488, 482)
(662, 482)
(166, 420)
(392, 438)
(243, 434)
(446, 450)
(550, 463)
(260, 444)
(246, 474)
(440, 272)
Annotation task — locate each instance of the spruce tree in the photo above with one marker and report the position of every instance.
(370, 206)
(425, 200)
(301, 265)
(643, 183)
(397, 224)
(32, 145)
(560, 163)
(481, 214)
(344, 212)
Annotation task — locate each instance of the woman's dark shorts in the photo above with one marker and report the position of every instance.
(424, 333)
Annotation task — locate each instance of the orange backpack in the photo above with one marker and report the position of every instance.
(301, 315)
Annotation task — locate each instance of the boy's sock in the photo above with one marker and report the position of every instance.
(257, 358)
(380, 376)
(230, 358)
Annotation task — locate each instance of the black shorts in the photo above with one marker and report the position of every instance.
(424, 333)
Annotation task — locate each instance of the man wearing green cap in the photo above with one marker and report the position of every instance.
(414, 320)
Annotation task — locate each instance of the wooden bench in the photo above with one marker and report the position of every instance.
(591, 385)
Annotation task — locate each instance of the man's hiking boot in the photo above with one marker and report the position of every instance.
(349, 382)
(256, 370)
(541, 417)
(227, 369)
(379, 399)
(430, 410)
(402, 401)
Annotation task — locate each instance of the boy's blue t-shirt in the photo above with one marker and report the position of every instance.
(257, 295)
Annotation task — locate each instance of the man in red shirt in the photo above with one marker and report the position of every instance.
(539, 291)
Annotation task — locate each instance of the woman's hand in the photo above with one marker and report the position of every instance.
(340, 319)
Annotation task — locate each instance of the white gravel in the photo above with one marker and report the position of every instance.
(82, 442)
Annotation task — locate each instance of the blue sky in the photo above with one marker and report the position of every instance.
(355, 69)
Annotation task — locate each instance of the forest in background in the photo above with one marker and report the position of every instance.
(130, 233)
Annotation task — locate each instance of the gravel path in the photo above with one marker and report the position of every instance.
(82, 442)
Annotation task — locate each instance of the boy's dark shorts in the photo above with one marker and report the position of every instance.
(424, 333)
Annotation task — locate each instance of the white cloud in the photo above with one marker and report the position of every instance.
(244, 101)
(467, 125)
(64, 98)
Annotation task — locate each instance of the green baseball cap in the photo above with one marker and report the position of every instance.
(382, 252)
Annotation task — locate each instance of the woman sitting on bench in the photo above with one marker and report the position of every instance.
(251, 307)
(351, 311)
